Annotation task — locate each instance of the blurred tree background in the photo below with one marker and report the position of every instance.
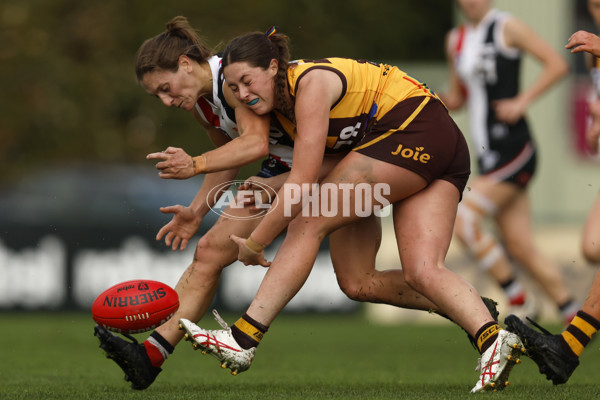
(69, 93)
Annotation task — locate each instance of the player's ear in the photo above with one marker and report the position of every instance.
(185, 63)
(273, 67)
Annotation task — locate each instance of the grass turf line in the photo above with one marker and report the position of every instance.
(56, 356)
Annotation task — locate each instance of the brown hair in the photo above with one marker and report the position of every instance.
(258, 49)
(163, 50)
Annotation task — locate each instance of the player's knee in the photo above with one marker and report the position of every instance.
(212, 252)
(467, 225)
(520, 250)
(422, 273)
(414, 278)
(353, 288)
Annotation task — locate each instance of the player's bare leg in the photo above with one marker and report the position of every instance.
(353, 260)
(425, 223)
(198, 284)
(196, 289)
(514, 222)
(509, 206)
(591, 234)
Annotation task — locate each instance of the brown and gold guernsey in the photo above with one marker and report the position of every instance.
(369, 92)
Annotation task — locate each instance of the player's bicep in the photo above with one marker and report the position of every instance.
(317, 92)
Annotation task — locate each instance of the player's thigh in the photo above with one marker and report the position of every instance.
(591, 233)
(423, 224)
(358, 187)
(514, 223)
(489, 197)
(357, 176)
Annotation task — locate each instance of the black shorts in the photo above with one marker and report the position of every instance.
(514, 167)
(418, 134)
(272, 166)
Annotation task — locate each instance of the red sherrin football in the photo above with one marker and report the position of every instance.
(135, 306)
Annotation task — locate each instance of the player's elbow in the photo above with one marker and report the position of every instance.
(562, 68)
(258, 148)
(453, 103)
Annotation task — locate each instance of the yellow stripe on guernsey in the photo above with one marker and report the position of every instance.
(402, 127)
(368, 88)
(249, 329)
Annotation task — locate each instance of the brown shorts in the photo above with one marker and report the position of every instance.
(422, 138)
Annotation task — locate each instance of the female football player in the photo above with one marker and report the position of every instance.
(401, 139)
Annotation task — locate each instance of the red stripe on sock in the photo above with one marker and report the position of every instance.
(517, 300)
(156, 357)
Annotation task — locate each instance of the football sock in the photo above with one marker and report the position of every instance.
(514, 292)
(486, 335)
(579, 333)
(568, 310)
(248, 332)
(158, 349)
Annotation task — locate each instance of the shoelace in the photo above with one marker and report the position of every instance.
(220, 320)
(541, 328)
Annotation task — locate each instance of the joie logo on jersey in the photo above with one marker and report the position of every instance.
(415, 154)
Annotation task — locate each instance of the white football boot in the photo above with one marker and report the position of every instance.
(219, 343)
(497, 361)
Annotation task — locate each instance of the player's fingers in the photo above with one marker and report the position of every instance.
(170, 209)
(163, 165)
(156, 156)
(169, 238)
(265, 263)
(237, 239)
(184, 243)
(176, 242)
(166, 175)
(162, 232)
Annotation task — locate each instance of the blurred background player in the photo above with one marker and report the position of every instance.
(557, 356)
(484, 56)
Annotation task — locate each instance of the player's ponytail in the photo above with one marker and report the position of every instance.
(163, 50)
(258, 49)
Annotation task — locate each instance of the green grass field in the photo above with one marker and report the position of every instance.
(56, 356)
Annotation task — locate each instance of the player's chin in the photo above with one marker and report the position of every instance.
(188, 107)
(261, 110)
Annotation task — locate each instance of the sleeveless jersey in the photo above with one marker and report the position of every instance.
(218, 113)
(369, 91)
(489, 71)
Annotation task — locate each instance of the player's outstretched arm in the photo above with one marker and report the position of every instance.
(584, 41)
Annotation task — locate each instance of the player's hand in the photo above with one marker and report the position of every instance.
(509, 111)
(260, 186)
(584, 41)
(181, 228)
(248, 256)
(175, 164)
